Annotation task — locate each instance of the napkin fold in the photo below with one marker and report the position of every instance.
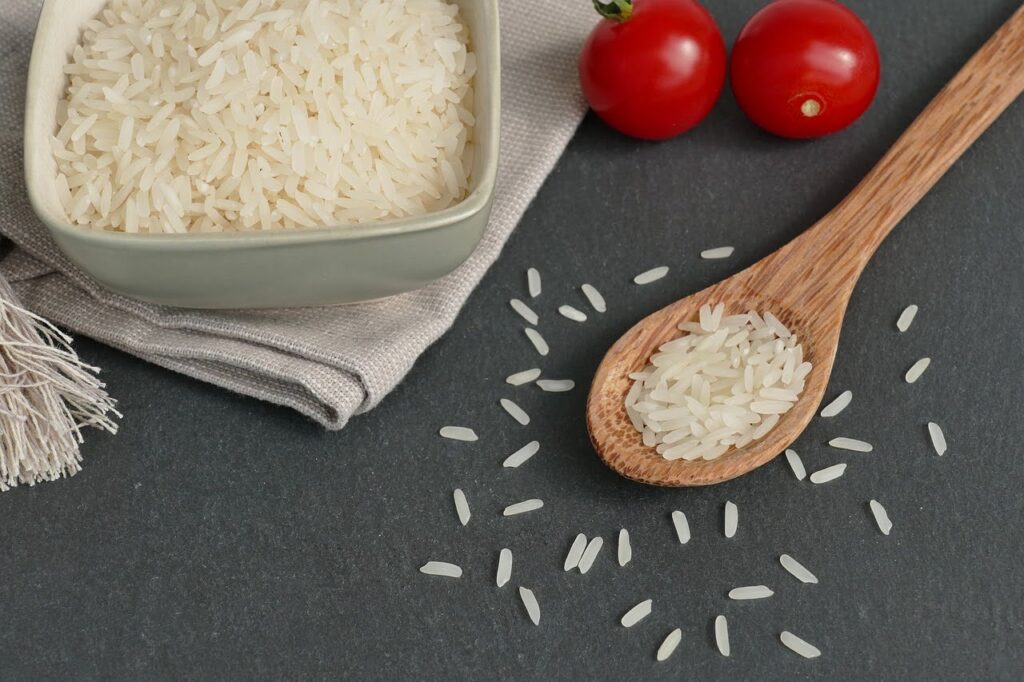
(327, 363)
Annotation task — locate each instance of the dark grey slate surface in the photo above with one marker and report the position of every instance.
(221, 538)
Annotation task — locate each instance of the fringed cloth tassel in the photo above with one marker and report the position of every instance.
(47, 394)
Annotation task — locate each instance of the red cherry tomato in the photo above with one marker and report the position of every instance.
(655, 68)
(805, 68)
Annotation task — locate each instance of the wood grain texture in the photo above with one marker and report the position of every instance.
(808, 283)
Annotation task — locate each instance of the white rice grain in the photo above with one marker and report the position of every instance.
(917, 369)
(570, 313)
(652, 275)
(682, 526)
(625, 553)
(781, 330)
(837, 405)
(828, 473)
(515, 411)
(906, 318)
(458, 433)
(669, 644)
(595, 298)
(523, 507)
(504, 573)
(796, 465)
(722, 635)
(533, 283)
(637, 613)
(938, 438)
(442, 569)
(524, 311)
(732, 518)
(530, 602)
(717, 253)
(590, 554)
(850, 444)
(556, 385)
(799, 646)
(538, 341)
(881, 516)
(520, 456)
(461, 506)
(797, 570)
(750, 592)
(572, 559)
(524, 377)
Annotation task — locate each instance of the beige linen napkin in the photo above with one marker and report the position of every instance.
(328, 363)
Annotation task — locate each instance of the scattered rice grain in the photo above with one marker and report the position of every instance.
(851, 444)
(906, 318)
(515, 411)
(568, 312)
(797, 570)
(828, 473)
(732, 518)
(461, 506)
(799, 646)
(652, 275)
(717, 253)
(625, 553)
(524, 311)
(796, 465)
(523, 507)
(530, 602)
(682, 526)
(521, 455)
(881, 516)
(669, 644)
(590, 554)
(595, 298)
(938, 438)
(538, 341)
(918, 368)
(459, 433)
(556, 385)
(504, 567)
(722, 635)
(524, 377)
(533, 282)
(572, 559)
(637, 613)
(750, 592)
(837, 405)
(442, 569)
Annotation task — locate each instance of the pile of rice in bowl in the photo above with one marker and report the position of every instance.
(189, 116)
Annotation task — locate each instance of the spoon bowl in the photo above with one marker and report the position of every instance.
(619, 445)
(808, 283)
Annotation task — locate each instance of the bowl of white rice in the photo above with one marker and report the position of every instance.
(264, 153)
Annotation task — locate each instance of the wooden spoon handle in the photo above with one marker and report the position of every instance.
(841, 244)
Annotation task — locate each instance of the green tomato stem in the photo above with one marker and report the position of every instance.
(619, 10)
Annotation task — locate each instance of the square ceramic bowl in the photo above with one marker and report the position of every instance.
(308, 267)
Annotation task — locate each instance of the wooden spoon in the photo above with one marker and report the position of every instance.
(808, 283)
